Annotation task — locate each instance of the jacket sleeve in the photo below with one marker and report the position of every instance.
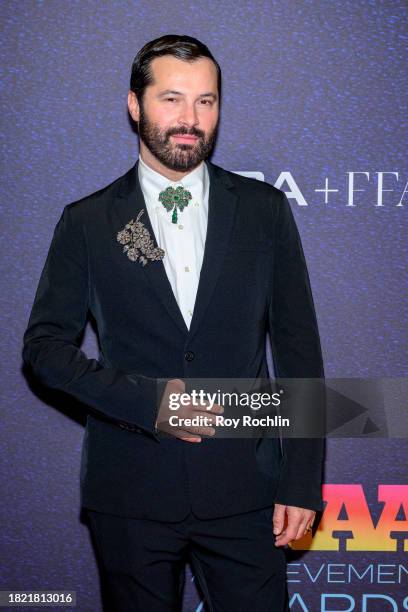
(51, 341)
(296, 353)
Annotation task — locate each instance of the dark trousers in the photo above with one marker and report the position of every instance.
(234, 560)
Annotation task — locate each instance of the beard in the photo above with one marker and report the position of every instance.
(178, 156)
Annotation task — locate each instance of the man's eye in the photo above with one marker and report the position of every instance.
(170, 99)
(206, 102)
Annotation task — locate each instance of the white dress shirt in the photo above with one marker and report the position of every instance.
(183, 242)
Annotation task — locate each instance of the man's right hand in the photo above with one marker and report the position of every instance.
(189, 433)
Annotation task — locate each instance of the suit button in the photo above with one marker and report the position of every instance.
(189, 355)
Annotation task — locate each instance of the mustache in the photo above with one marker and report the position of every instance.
(184, 132)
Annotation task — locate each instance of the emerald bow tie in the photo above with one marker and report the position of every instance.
(175, 198)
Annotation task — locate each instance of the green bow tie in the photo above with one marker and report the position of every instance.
(175, 198)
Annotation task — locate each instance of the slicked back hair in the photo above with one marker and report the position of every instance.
(185, 48)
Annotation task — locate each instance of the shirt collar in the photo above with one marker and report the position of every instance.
(154, 182)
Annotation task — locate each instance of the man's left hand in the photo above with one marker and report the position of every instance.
(296, 526)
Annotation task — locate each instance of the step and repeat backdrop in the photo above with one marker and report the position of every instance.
(314, 100)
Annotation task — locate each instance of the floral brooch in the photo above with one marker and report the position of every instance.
(175, 198)
(138, 244)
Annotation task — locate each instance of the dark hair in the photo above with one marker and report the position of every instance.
(185, 48)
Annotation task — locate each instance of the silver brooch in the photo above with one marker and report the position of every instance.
(138, 244)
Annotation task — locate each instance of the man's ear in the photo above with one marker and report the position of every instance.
(133, 106)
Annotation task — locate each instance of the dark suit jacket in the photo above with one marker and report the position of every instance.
(253, 279)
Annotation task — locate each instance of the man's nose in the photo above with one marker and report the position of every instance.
(188, 115)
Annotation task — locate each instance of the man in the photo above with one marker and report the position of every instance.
(182, 283)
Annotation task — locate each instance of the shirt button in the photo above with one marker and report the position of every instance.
(180, 226)
(196, 204)
(187, 269)
(189, 355)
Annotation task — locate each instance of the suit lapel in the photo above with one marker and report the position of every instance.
(221, 210)
(130, 202)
